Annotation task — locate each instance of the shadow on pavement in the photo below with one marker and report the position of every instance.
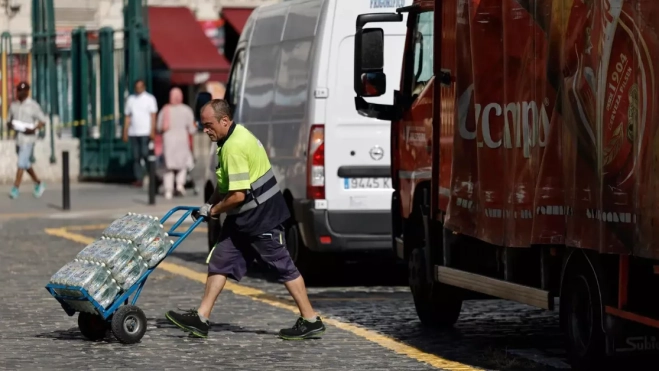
(55, 207)
(379, 272)
(73, 333)
(218, 327)
(70, 335)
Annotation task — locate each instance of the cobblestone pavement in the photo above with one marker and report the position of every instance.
(37, 334)
(362, 302)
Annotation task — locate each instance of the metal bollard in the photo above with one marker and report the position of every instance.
(152, 174)
(66, 191)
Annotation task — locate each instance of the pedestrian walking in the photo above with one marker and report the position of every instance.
(176, 123)
(140, 127)
(248, 193)
(26, 118)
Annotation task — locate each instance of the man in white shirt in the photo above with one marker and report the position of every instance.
(140, 127)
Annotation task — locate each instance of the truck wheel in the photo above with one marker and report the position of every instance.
(213, 233)
(92, 326)
(580, 309)
(129, 324)
(437, 305)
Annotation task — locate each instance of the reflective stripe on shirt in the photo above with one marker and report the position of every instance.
(264, 194)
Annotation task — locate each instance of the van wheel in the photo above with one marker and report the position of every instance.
(304, 259)
(437, 305)
(581, 316)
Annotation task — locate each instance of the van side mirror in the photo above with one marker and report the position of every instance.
(369, 77)
(202, 99)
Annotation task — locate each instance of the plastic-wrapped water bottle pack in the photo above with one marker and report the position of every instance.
(145, 232)
(91, 276)
(115, 262)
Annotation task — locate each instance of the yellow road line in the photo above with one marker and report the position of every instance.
(92, 212)
(375, 298)
(23, 215)
(91, 227)
(96, 227)
(263, 297)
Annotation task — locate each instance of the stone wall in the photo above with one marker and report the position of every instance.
(48, 172)
(53, 172)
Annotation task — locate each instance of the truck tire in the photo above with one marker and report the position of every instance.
(581, 316)
(396, 223)
(437, 305)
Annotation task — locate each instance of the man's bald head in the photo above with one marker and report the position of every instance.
(216, 119)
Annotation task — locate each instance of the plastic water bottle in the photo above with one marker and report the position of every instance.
(127, 274)
(119, 256)
(156, 250)
(128, 226)
(108, 251)
(104, 297)
(147, 236)
(90, 276)
(107, 293)
(94, 277)
(135, 228)
(63, 277)
(115, 229)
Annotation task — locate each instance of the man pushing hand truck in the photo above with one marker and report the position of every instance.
(255, 208)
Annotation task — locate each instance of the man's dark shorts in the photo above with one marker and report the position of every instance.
(232, 252)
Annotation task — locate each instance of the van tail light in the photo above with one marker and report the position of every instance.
(316, 163)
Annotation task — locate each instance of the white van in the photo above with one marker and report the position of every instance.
(291, 84)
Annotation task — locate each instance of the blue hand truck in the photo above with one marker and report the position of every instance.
(126, 321)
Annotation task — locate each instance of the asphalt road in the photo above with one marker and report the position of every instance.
(370, 314)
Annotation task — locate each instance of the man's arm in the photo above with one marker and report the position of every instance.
(40, 117)
(127, 119)
(216, 197)
(230, 201)
(154, 111)
(126, 126)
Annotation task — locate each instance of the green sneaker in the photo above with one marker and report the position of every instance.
(189, 321)
(303, 329)
(14, 193)
(38, 189)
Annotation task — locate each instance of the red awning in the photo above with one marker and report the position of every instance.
(237, 17)
(182, 44)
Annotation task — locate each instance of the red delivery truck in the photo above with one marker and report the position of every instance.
(525, 160)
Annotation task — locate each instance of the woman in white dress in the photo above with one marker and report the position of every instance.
(176, 123)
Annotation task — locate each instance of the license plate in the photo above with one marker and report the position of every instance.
(366, 183)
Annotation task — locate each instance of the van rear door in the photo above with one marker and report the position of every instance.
(357, 157)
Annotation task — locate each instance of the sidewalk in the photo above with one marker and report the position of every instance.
(98, 200)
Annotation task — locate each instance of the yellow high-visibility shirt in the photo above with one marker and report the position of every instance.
(243, 165)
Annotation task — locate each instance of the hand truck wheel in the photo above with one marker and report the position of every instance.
(129, 324)
(92, 326)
